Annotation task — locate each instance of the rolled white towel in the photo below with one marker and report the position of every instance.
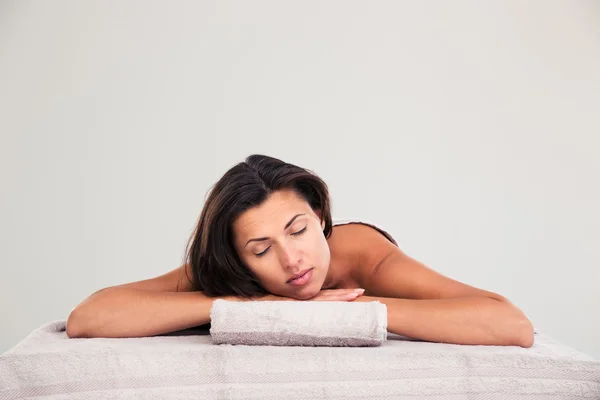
(298, 323)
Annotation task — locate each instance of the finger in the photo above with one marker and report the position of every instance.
(352, 297)
(349, 296)
(336, 297)
(333, 292)
(338, 294)
(341, 291)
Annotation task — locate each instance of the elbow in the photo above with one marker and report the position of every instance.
(78, 322)
(525, 334)
(75, 325)
(521, 332)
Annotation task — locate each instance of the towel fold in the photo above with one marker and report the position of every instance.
(298, 323)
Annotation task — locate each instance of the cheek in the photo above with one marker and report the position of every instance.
(320, 251)
(267, 271)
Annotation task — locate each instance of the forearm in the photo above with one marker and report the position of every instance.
(127, 312)
(476, 320)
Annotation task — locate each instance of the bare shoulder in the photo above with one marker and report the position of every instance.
(349, 240)
(345, 237)
(341, 242)
(384, 270)
(355, 249)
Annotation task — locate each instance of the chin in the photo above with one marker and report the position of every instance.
(307, 293)
(304, 296)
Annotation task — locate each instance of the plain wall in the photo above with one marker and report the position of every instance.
(469, 130)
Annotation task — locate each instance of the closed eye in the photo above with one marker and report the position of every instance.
(263, 252)
(300, 232)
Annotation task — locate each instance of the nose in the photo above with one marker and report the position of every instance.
(289, 256)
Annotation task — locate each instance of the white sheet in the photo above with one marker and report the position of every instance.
(49, 365)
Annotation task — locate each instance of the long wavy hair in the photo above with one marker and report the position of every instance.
(216, 268)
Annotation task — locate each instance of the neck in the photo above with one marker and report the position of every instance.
(333, 278)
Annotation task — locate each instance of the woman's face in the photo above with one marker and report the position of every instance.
(281, 238)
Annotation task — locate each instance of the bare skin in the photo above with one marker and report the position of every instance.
(168, 303)
(283, 237)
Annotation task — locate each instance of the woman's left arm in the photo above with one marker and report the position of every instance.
(427, 305)
(471, 320)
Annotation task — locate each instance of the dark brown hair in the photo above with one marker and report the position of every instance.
(214, 263)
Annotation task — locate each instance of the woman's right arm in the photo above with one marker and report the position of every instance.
(144, 308)
(155, 306)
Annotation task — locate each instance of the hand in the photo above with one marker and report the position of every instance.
(272, 297)
(366, 299)
(323, 295)
(338, 295)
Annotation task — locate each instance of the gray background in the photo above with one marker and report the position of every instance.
(469, 130)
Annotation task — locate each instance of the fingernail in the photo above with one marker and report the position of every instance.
(359, 290)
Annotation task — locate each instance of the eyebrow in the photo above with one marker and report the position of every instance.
(291, 221)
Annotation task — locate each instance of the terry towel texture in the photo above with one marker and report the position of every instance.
(49, 366)
(298, 323)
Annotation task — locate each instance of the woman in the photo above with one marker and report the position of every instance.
(266, 233)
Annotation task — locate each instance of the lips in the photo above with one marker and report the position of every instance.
(298, 275)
